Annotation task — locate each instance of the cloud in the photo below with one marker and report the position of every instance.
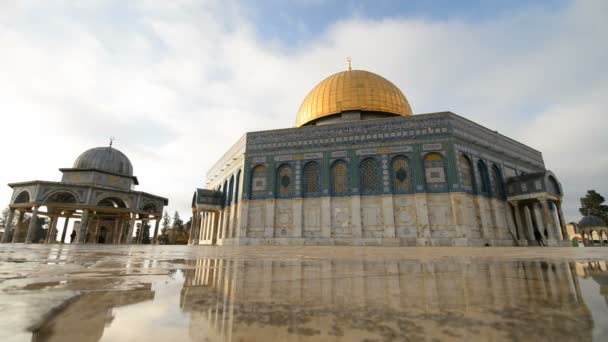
(179, 82)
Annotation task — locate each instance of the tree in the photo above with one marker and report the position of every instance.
(591, 204)
(146, 238)
(178, 224)
(4, 218)
(163, 239)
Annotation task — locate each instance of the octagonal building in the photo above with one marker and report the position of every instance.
(359, 168)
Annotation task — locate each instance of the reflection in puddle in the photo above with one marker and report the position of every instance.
(243, 300)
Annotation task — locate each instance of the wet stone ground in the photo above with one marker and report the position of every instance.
(196, 293)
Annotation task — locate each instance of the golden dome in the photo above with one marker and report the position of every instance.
(356, 90)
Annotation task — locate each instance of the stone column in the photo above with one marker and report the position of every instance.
(65, 228)
(32, 226)
(121, 228)
(95, 235)
(17, 230)
(205, 225)
(116, 234)
(130, 232)
(140, 237)
(9, 225)
(548, 221)
(518, 222)
(52, 233)
(215, 227)
(562, 222)
(209, 226)
(201, 227)
(82, 230)
(156, 225)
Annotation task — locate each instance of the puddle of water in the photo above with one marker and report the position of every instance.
(235, 299)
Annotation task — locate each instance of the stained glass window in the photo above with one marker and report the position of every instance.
(284, 181)
(497, 182)
(401, 177)
(311, 178)
(339, 177)
(370, 178)
(466, 172)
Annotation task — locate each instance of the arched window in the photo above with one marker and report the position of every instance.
(339, 178)
(238, 183)
(466, 170)
(312, 178)
(370, 176)
(112, 202)
(485, 178)
(498, 188)
(225, 193)
(61, 197)
(258, 181)
(434, 172)
(230, 191)
(553, 186)
(401, 175)
(23, 197)
(284, 181)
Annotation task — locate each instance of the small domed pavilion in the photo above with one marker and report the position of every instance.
(97, 191)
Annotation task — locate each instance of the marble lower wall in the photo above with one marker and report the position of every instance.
(454, 219)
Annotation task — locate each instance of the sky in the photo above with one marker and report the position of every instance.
(178, 82)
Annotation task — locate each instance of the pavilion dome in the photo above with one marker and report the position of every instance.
(107, 159)
(591, 221)
(352, 90)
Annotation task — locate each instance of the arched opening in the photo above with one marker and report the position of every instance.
(150, 207)
(339, 178)
(230, 191)
(485, 177)
(401, 176)
(468, 176)
(112, 202)
(370, 177)
(284, 181)
(553, 186)
(102, 237)
(312, 179)
(225, 193)
(434, 173)
(258, 181)
(61, 197)
(595, 238)
(23, 197)
(498, 186)
(238, 184)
